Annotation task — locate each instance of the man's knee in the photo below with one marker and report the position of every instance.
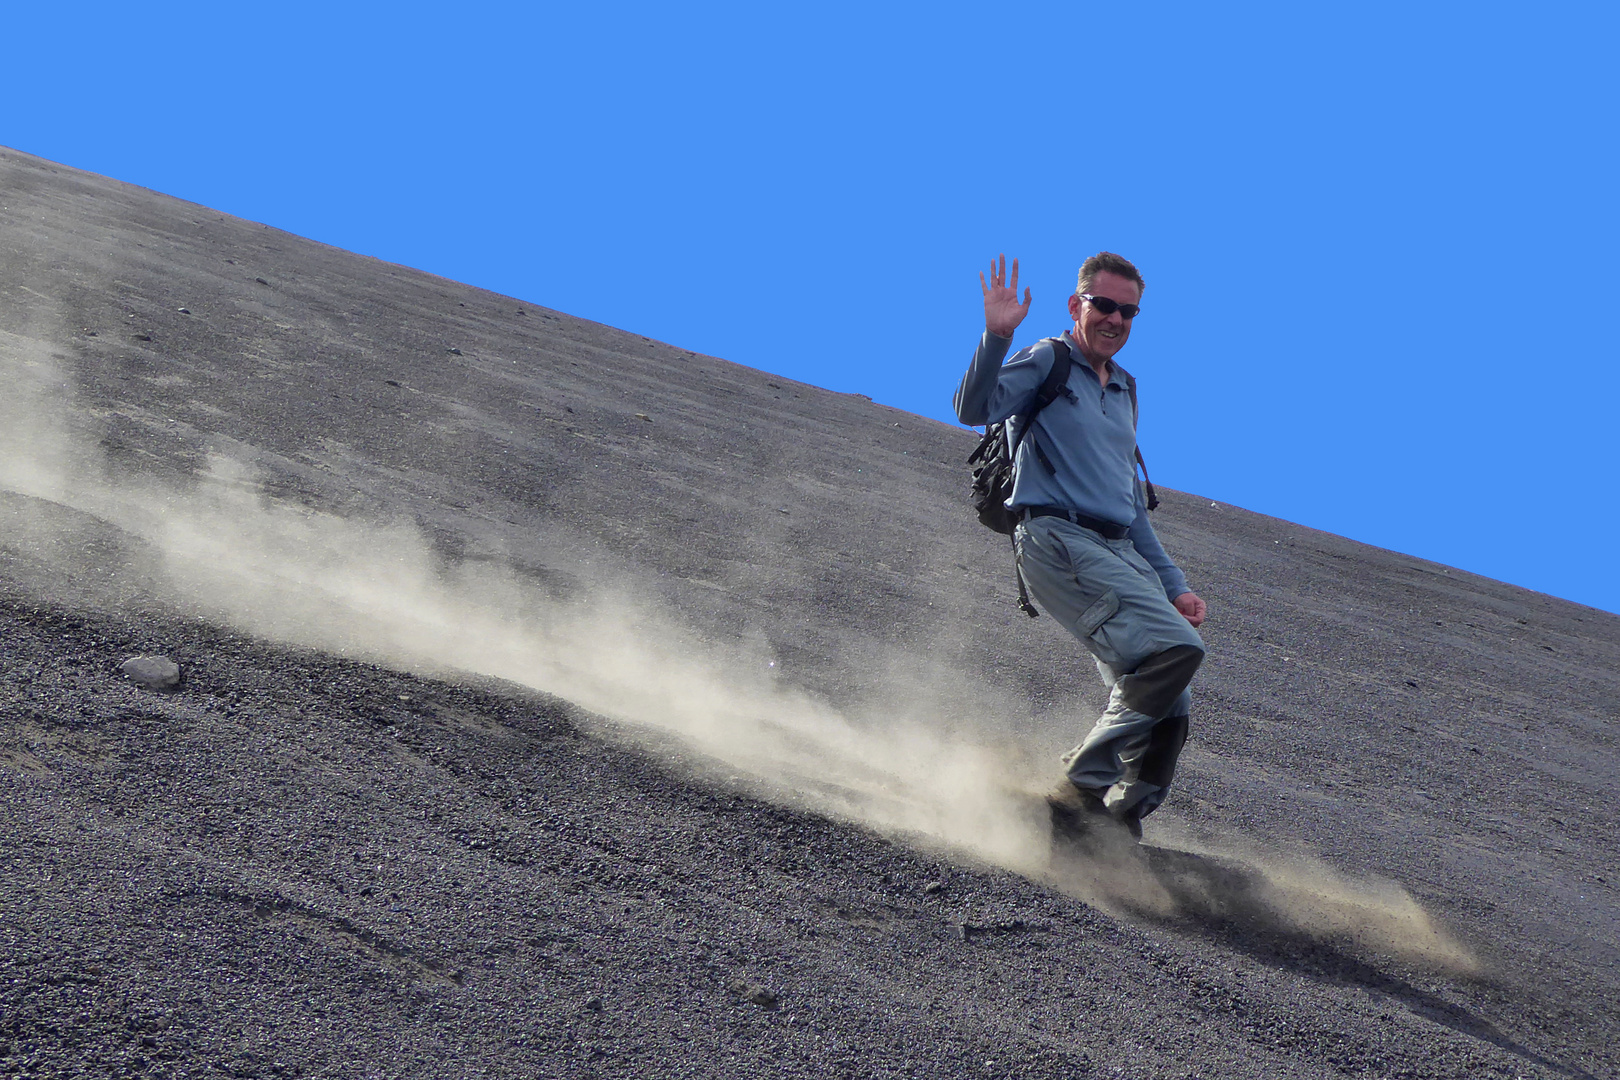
(1157, 681)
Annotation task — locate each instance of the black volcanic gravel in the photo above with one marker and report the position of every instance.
(300, 864)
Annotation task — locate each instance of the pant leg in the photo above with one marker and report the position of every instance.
(1111, 600)
(1149, 759)
(1156, 769)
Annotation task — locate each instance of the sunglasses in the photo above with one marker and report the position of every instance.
(1108, 307)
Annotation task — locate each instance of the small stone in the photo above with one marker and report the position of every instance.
(183, 311)
(261, 281)
(934, 888)
(643, 416)
(593, 1003)
(753, 993)
(152, 672)
(453, 351)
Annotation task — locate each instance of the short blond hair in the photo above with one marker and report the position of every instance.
(1107, 261)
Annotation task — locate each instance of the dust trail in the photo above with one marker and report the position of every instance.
(1228, 883)
(380, 592)
(907, 763)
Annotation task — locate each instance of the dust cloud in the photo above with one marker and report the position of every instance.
(380, 592)
(904, 764)
(1222, 878)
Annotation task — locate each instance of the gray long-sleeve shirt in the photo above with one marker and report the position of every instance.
(1089, 436)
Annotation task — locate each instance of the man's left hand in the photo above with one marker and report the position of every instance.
(1191, 607)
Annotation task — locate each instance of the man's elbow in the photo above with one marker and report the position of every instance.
(972, 416)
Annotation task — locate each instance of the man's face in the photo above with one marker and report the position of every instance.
(1101, 336)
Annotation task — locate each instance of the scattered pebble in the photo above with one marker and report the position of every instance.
(643, 416)
(152, 672)
(183, 311)
(593, 1003)
(453, 351)
(934, 888)
(753, 993)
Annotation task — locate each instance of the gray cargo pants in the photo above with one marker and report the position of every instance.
(1106, 594)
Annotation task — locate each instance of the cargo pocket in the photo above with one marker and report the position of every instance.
(1098, 613)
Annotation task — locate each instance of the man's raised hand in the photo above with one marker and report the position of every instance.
(1002, 311)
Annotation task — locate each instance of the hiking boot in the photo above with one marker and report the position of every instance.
(1133, 825)
(1078, 814)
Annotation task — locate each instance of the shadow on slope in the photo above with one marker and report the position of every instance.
(1301, 916)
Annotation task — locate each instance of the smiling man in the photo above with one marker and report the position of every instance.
(1085, 546)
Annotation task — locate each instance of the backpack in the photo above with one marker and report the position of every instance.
(997, 453)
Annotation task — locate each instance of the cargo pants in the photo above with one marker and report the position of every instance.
(1105, 594)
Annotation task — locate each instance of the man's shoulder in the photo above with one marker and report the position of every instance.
(1040, 354)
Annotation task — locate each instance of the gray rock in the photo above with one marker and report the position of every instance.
(152, 672)
(754, 993)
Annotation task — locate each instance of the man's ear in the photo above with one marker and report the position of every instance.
(1074, 306)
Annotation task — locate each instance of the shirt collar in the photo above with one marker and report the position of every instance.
(1114, 378)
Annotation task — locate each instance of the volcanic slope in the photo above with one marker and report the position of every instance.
(560, 702)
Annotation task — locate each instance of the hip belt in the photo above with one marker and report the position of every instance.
(1108, 530)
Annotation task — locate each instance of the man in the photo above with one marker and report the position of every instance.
(1085, 546)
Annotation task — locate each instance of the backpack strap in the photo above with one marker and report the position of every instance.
(1057, 380)
(1055, 385)
(1130, 385)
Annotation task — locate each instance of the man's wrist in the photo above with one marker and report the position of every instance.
(997, 333)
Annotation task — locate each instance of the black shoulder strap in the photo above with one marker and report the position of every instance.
(1055, 384)
(1130, 385)
(1056, 379)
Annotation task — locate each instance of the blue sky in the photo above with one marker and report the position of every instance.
(1380, 239)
